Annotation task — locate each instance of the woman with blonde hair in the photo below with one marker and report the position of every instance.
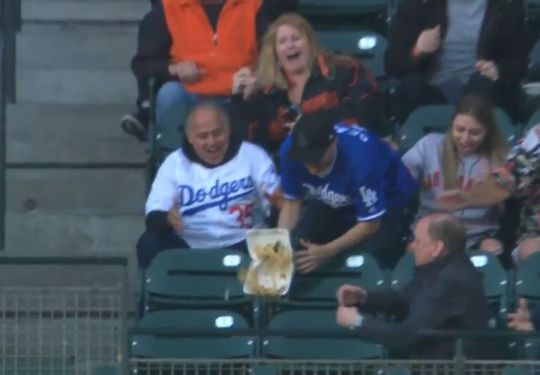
(462, 158)
(294, 75)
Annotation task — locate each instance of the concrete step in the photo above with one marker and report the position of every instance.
(76, 46)
(70, 234)
(76, 86)
(85, 192)
(84, 11)
(70, 133)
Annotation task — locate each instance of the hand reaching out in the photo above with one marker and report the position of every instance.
(312, 257)
(350, 295)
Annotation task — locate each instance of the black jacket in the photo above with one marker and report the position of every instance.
(446, 294)
(347, 90)
(502, 37)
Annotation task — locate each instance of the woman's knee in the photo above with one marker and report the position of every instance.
(170, 95)
(491, 246)
(527, 247)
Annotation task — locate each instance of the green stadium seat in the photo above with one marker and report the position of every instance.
(196, 278)
(367, 46)
(166, 136)
(159, 335)
(318, 289)
(343, 6)
(528, 278)
(534, 62)
(533, 120)
(495, 280)
(285, 338)
(437, 118)
(403, 272)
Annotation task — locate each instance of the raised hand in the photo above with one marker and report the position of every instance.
(429, 41)
(174, 218)
(244, 82)
(350, 295)
(521, 319)
(488, 69)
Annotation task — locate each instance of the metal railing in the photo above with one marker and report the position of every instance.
(10, 24)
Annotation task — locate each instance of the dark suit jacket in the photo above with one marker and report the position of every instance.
(446, 294)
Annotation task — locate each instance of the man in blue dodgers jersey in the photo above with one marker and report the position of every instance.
(355, 180)
(209, 192)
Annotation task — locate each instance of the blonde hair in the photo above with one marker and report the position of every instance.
(492, 147)
(268, 71)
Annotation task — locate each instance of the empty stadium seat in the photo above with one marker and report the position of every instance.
(495, 280)
(344, 6)
(403, 272)
(166, 136)
(319, 288)
(196, 278)
(437, 118)
(192, 334)
(534, 63)
(367, 46)
(285, 339)
(533, 120)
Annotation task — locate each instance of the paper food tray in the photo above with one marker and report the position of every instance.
(281, 281)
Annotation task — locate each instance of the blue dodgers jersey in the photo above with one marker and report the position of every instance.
(366, 174)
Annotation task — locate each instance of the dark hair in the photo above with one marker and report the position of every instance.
(448, 229)
(493, 147)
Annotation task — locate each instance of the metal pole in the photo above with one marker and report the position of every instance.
(3, 71)
(10, 25)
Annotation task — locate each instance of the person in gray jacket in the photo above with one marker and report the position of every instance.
(446, 293)
(462, 158)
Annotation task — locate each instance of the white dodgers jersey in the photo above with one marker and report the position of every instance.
(217, 204)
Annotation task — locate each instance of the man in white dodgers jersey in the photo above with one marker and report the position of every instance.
(209, 192)
(355, 180)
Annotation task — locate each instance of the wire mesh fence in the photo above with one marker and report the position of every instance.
(60, 330)
(323, 367)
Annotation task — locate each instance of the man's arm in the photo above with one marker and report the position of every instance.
(289, 214)
(429, 311)
(353, 236)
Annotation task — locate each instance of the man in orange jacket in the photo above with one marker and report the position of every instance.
(192, 47)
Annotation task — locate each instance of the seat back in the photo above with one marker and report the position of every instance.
(403, 272)
(285, 339)
(195, 277)
(495, 281)
(192, 334)
(367, 46)
(319, 288)
(437, 118)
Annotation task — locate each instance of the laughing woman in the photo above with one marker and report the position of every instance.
(461, 158)
(294, 75)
